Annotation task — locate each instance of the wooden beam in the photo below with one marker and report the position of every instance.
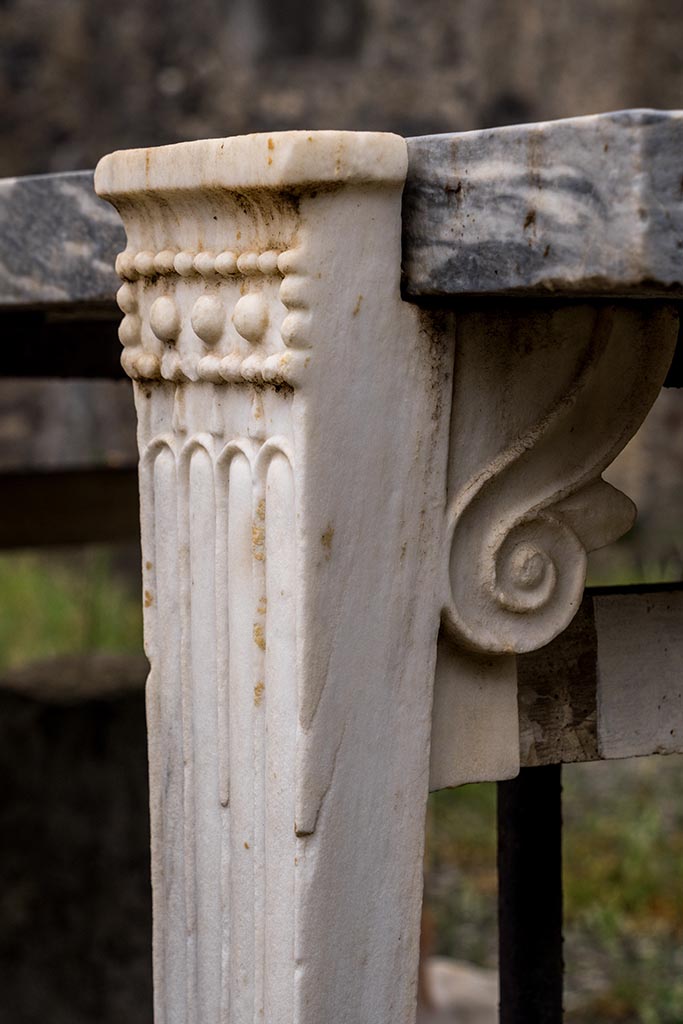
(69, 508)
(611, 685)
(75, 342)
(49, 426)
(72, 678)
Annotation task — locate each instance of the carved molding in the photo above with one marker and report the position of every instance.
(561, 390)
(235, 319)
(222, 712)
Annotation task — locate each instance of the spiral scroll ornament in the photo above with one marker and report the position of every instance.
(520, 524)
(524, 591)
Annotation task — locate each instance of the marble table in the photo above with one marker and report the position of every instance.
(377, 383)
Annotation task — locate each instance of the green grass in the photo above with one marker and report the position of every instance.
(460, 873)
(57, 604)
(623, 884)
(624, 890)
(620, 564)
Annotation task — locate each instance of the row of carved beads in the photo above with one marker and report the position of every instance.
(250, 318)
(131, 266)
(209, 319)
(280, 368)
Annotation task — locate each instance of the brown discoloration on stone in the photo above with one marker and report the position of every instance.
(148, 599)
(258, 693)
(326, 539)
(259, 636)
(258, 540)
(258, 532)
(558, 696)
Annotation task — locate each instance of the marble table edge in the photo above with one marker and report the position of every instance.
(589, 207)
(583, 207)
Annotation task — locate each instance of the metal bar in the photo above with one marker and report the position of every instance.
(530, 896)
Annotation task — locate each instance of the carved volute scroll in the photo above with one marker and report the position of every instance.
(560, 390)
(293, 429)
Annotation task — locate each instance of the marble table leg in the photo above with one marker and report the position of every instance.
(293, 427)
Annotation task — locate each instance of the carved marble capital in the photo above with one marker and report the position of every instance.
(222, 270)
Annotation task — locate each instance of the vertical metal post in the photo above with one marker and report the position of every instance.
(530, 896)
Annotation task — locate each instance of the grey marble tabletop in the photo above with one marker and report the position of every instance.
(584, 207)
(588, 206)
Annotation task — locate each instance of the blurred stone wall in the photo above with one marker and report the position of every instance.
(81, 77)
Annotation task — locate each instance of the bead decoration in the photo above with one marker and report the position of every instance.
(131, 265)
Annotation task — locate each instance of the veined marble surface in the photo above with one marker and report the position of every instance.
(58, 241)
(588, 206)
